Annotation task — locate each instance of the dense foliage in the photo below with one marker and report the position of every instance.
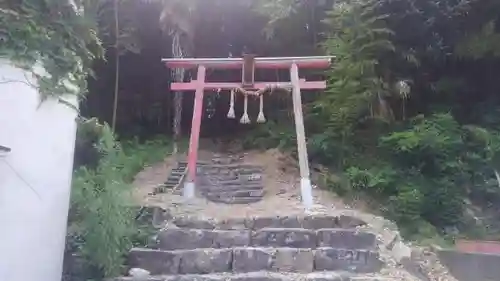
(57, 35)
(406, 92)
(410, 111)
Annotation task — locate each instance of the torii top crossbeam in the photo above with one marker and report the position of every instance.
(248, 64)
(315, 62)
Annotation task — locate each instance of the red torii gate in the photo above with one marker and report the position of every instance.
(248, 64)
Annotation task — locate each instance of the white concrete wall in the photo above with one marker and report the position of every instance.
(35, 180)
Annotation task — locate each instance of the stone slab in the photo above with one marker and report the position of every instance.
(251, 276)
(237, 193)
(327, 276)
(252, 259)
(319, 222)
(128, 278)
(284, 237)
(349, 222)
(264, 222)
(204, 261)
(232, 224)
(309, 222)
(155, 261)
(231, 238)
(293, 260)
(234, 200)
(234, 187)
(226, 181)
(262, 276)
(289, 222)
(359, 261)
(346, 239)
(254, 278)
(189, 239)
(251, 177)
(185, 222)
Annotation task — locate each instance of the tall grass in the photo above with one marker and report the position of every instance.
(102, 225)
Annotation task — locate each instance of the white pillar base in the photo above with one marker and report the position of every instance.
(306, 192)
(188, 191)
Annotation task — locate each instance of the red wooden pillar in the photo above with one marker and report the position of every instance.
(189, 185)
(305, 181)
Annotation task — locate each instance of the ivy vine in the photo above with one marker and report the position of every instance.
(56, 35)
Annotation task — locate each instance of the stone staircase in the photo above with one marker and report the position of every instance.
(176, 178)
(225, 179)
(312, 248)
(231, 183)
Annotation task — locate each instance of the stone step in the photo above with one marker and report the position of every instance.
(232, 166)
(265, 276)
(165, 189)
(307, 222)
(233, 200)
(235, 181)
(236, 194)
(161, 189)
(228, 169)
(216, 178)
(198, 163)
(345, 238)
(225, 161)
(170, 178)
(232, 176)
(188, 239)
(244, 168)
(231, 187)
(229, 173)
(241, 260)
(172, 181)
(227, 188)
(251, 178)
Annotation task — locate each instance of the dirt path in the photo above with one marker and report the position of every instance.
(281, 182)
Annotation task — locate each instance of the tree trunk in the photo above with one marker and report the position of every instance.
(177, 120)
(117, 68)
(178, 76)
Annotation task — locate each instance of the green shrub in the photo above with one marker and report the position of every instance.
(271, 135)
(102, 226)
(425, 171)
(406, 206)
(100, 216)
